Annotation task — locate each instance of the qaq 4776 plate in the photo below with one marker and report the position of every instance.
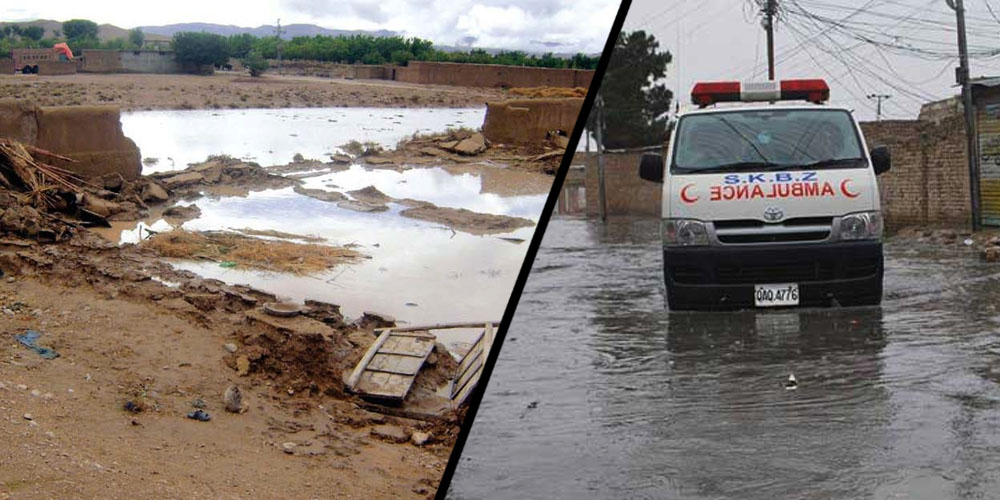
(776, 295)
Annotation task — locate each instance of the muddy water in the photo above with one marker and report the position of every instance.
(274, 136)
(601, 393)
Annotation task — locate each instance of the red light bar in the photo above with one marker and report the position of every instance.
(707, 93)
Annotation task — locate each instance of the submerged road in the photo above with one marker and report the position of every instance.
(600, 392)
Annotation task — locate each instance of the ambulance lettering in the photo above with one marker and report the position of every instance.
(776, 185)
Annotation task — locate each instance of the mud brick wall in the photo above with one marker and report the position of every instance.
(525, 121)
(929, 180)
(490, 75)
(6, 66)
(101, 61)
(148, 61)
(626, 193)
(56, 67)
(301, 67)
(91, 135)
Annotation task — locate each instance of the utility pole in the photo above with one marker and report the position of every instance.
(278, 32)
(962, 75)
(601, 195)
(770, 9)
(878, 104)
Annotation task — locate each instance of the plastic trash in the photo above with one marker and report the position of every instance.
(29, 338)
(228, 264)
(201, 415)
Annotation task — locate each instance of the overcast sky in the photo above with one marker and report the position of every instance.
(536, 25)
(723, 40)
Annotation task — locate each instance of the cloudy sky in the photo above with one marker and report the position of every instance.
(913, 62)
(536, 25)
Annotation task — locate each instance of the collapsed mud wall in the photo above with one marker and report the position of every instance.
(491, 75)
(91, 135)
(526, 121)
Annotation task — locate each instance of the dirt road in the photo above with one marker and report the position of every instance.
(141, 91)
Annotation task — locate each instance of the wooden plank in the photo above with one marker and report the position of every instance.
(472, 352)
(352, 382)
(407, 345)
(461, 381)
(385, 385)
(441, 326)
(465, 382)
(403, 365)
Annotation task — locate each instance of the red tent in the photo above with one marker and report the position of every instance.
(63, 49)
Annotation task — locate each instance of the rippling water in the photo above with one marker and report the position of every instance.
(633, 401)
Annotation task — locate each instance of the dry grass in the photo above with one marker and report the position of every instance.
(549, 92)
(248, 252)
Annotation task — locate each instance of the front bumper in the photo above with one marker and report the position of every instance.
(848, 273)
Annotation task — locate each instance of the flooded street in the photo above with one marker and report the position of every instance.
(599, 392)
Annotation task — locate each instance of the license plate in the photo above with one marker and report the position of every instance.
(786, 294)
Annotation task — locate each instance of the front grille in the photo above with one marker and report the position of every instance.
(753, 223)
(791, 272)
(736, 239)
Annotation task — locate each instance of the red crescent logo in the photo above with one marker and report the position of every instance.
(684, 197)
(843, 189)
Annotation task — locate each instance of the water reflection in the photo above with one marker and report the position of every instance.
(274, 136)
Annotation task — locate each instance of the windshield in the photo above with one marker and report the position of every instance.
(767, 139)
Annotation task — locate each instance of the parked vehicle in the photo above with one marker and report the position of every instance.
(769, 205)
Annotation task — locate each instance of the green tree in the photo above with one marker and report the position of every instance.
(199, 49)
(79, 29)
(635, 105)
(33, 33)
(240, 45)
(255, 63)
(136, 37)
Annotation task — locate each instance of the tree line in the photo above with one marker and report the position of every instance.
(79, 34)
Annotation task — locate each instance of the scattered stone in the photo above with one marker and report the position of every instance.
(198, 403)
(242, 366)
(36, 393)
(991, 254)
(420, 438)
(473, 145)
(22, 387)
(231, 347)
(233, 398)
(390, 433)
(27, 416)
(288, 447)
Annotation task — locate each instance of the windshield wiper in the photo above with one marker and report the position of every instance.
(832, 162)
(743, 166)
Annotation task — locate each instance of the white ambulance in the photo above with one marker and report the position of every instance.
(769, 205)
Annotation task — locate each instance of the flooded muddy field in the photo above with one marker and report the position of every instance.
(599, 392)
(273, 136)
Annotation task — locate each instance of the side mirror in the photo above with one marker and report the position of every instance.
(881, 159)
(651, 167)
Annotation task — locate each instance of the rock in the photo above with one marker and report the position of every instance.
(186, 212)
(183, 179)
(36, 393)
(991, 254)
(233, 398)
(377, 320)
(231, 347)
(361, 206)
(340, 159)
(27, 416)
(242, 366)
(288, 447)
(22, 387)
(391, 433)
(474, 145)
(420, 438)
(153, 193)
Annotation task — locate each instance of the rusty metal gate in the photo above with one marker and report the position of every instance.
(989, 163)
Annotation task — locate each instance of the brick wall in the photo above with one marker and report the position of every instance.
(148, 61)
(6, 66)
(929, 179)
(490, 75)
(56, 67)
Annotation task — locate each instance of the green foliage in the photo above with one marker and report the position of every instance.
(136, 37)
(33, 33)
(79, 29)
(360, 149)
(255, 63)
(635, 105)
(199, 49)
(240, 45)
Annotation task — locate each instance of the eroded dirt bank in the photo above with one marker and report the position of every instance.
(142, 92)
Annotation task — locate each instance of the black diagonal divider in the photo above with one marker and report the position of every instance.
(529, 259)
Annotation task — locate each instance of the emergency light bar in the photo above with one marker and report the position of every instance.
(708, 93)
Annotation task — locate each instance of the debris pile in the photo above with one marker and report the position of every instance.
(231, 175)
(548, 92)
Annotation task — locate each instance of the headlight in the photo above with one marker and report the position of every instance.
(861, 226)
(684, 232)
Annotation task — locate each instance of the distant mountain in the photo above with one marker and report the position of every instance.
(288, 32)
(105, 32)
